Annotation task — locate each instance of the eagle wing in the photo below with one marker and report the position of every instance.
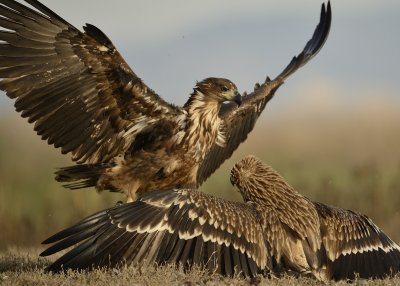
(75, 86)
(354, 244)
(174, 226)
(239, 121)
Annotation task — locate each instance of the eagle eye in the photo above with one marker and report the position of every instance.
(224, 88)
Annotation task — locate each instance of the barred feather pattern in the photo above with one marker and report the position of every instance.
(173, 226)
(311, 237)
(275, 230)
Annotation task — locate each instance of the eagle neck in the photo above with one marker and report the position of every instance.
(203, 122)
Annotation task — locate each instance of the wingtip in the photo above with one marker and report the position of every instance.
(44, 253)
(314, 45)
(326, 7)
(323, 11)
(329, 11)
(51, 239)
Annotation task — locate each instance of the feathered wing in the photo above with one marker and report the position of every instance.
(75, 86)
(174, 226)
(239, 122)
(289, 251)
(354, 244)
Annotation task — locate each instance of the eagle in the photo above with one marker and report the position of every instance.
(83, 97)
(275, 230)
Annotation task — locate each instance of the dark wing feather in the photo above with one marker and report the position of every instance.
(239, 122)
(174, 226)
(354, 244)
(76, 87)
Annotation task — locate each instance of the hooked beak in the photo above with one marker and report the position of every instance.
(238, 99)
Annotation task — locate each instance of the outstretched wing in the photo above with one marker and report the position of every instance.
(172, 226)
(75, 86)
(238, 122)
(354, 244)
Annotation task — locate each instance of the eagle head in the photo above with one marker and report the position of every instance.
(219, 89)
(254, 179)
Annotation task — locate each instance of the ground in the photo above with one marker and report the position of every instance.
(24, 267)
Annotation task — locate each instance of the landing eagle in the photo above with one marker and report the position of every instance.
(85, 99)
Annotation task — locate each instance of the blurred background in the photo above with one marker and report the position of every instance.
(332, 130)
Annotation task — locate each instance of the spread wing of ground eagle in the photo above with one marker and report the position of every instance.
(275, 230)
(181, 226)
(84, 98)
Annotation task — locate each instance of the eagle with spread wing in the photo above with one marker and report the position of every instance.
(275, 230)
(311, 237)
(85, 99)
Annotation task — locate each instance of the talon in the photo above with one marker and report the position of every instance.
(117, 204)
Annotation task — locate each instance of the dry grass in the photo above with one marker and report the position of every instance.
(23, 267)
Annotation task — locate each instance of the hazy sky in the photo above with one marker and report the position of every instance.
(171, 44)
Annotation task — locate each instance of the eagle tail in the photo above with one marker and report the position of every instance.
(80, 176)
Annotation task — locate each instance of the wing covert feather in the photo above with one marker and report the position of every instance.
(179, 226)
(75, 86)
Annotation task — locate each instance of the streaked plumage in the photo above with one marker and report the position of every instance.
(276, 230)
(309, 237)
(85, 99)
(171, 226)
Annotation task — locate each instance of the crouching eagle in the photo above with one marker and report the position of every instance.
(275, 230)
(85, 99)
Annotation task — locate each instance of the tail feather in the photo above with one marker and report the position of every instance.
(79, 176)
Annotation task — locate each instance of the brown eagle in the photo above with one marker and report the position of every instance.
(85, 99)
(275, 230)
